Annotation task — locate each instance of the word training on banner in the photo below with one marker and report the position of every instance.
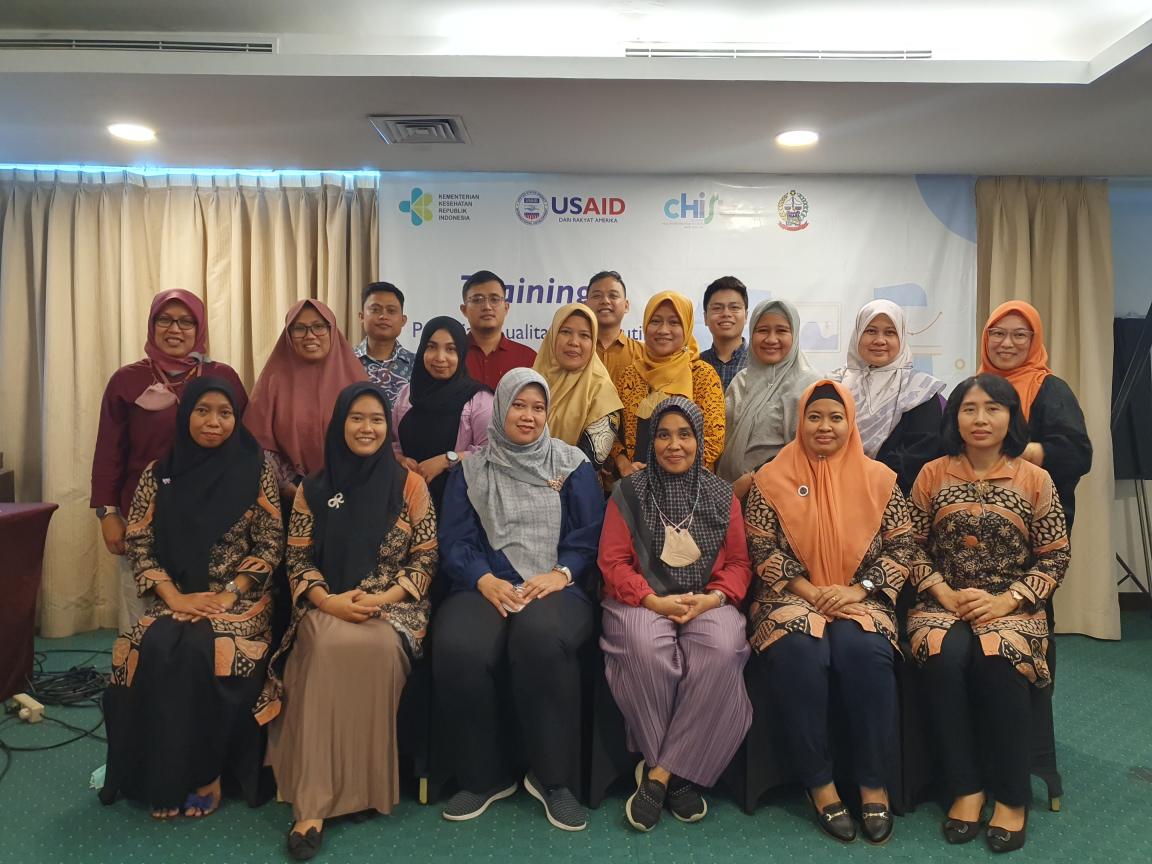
(829, 244)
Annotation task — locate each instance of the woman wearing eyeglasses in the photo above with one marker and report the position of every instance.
(294, 396)
(138, 420)
(1013, 348)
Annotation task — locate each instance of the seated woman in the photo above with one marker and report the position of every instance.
(204, 533)
(361, 554)
(519, 532)
(898, 408)
(293, 397)
(831, 541)
(993, 528)
(585, 409)
(442, 415)
(675, 564)
(138, 420)
(1013, 348)
(669, 366)
(761, 402)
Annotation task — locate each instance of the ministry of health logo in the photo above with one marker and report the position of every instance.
(531, 208)
(792, 208)
(418, 206)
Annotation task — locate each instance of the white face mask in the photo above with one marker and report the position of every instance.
(680, 549)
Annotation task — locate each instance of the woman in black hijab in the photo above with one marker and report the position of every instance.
(361, 555)
(442, 416)
(204, 533)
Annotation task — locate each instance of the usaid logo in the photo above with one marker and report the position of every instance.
(698, 210)
(531, 208)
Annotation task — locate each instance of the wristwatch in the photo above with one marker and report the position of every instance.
(232, 588)
(1017, 596)
(719, 595)
(452, 456)
(101, 512)
(868, 585)
(564, 571)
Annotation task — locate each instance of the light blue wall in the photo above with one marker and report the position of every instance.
(1131, 204)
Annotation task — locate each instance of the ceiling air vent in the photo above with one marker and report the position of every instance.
(69, 43)
(420, 129)
(732, 51)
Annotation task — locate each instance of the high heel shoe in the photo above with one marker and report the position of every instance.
(1002, 840)
(834, 820)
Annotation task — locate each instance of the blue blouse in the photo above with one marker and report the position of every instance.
(465, 554)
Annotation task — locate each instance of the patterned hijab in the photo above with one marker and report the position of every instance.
(579, 398)
(1029, 375)
(830, 508)
(762, 400)
(293, 398)
(883, 393)
(515, 488)
(202, 491)
(668, 376)
(698, 500)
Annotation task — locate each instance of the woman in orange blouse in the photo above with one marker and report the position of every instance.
(669, 366)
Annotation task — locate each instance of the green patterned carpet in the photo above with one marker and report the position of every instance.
(1104, 733)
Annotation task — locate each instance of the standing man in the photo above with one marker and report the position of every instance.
(387, 362)
(608, 298)
(491, 354)
(725, 311)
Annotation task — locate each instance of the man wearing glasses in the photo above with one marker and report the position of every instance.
(387, 362)
(491, 354)
(725, 309)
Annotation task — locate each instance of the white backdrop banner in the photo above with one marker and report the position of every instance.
(827, 243)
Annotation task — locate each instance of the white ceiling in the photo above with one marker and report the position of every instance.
(306, 107)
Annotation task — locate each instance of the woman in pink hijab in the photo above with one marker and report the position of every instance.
(294, 395)
(138, 419)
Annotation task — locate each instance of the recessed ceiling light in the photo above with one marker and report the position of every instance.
(132, 132)
(797, 138)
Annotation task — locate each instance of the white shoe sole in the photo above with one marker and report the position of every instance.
(503, 793)
(632, 797)
(695, 818)
(539, 796)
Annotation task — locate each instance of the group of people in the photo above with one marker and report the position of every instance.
(288, 557)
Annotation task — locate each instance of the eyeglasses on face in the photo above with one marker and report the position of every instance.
(185, 322)
(299, 331)
(480, 300)
(1018, 337)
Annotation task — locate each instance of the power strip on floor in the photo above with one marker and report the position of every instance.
(27, 708)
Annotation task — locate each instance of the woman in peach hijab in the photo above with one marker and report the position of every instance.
(1012, 347)
(294, 396)
(831, 542)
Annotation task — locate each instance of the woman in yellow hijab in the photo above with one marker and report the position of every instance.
(669, 366)
(585, 409)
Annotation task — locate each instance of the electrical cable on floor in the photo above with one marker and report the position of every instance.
(79, 686)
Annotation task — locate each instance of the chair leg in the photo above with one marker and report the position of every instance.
(422, 795)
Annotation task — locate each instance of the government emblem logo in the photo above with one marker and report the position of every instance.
(792, 209)
(531, 208)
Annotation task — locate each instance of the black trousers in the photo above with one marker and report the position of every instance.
(981, 710)
(538, 651)
(802, 671)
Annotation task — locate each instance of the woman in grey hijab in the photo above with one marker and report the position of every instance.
(761, 402)
(519, 533)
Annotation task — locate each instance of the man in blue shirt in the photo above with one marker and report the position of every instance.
(725, 311)
(387, 362)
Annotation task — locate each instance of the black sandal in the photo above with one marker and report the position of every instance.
(303, 847)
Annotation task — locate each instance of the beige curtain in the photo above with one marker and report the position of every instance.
(82, 254)
(1049, 242)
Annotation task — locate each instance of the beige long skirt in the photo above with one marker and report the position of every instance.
(333, 747)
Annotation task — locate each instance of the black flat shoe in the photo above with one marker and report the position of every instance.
(958, 831)
(303, 847)
(1002, 840)
(876, 822)
(834, 820)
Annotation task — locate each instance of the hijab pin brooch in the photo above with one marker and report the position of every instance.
(336, 500)
(167, 481)
(802, 491)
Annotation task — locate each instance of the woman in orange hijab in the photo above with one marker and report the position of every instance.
(831, 543)
(1013, 348)
(669, 366)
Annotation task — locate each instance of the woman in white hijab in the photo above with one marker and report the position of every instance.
(520, 530)
(761, 401)
(898, 408)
